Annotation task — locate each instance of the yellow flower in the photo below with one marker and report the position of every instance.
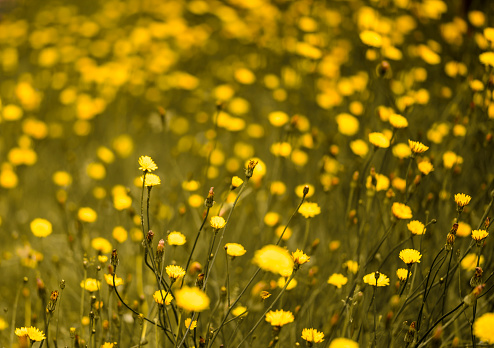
(234, 249)
(381, 280)
(174, 272)
(32, 332)
(479, 235)
(275, 259)
(338, 280)
(279, 317)
(425, 167)
(192, 299)
(41, 227)
(3, 324)
(109, 280)
(190, 185)
(236, 182)
(90, 285)
(401, 151)
(410, 256)
(101, 244)
(271, 218)
(347, 124)
(151, 180)
(450, 159)
(278, 118)
(188, 323)
(464, 229)
(482, 328)
(401, 211)
(282, 281)
(359, 147)
(61, 178)
(382, 182)
(487, 58)
(277, 188)
(161, 295)
(417, 147)
(351, 266)
(462, 199)
(371, 38)
(469, 262)
(176, 238)
(379, 140)
(147, 164)
(120, 234)
(217, 222)
(239, 311)
(87, 214)
(299, 257)
(402, 274)
(108, 345)
(343, 343)
(309, 210)
(312, 335)
(416, 227)
(398, 121)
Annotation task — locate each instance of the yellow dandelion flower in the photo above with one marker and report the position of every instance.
(151, 180)
(401, 151)
(120, 234)
(108, 345)
(482, 328)
(382, 182)
(450, 159)
(61, 178)
(376, 279)
(487, 58)
(378, 140)
(469, 262)
(398, 121)
(87, 214)
(191, 185)
(41, 227)
(347, 124)
(192, 299)
(90, 284)
(425, 167)
(234, 249)
(312, 335)
(239, 311)
(3, 324)
(288, 232)
(264, 294)
(109, 280)
(464, 229)
(147, 164)
(174, 272)
(462, 199)
(479, 235)
(402, 274)
(101, 244)
(359, 147)
(299, 257)
(416, 227)
(176, 238)
(236, 182)
(278, 118)
(279, 317)
(309, 210)
(371, 38)
(217, 222)
(282, 281)
(351, 266)
(274, 259)
(190, 324)
(271, 218)
(417, 147)
(410, 256)
(102, 258)
(32, 332)
(343, 343)
(161, 296)
(338, 280)
(401, 211)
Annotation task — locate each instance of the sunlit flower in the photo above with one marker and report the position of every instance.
(234, 249)
(469, 262)
(41, 227)
(343, 343)
(402, 274)
(299, 257)
(101, 244)
(176, 238)
(337, 280)
(147, 164)
(309, 210)
(482, 328)
(417, 147)
(425, 167)
(401, 211)
(464, 229)
(161, 296)
(359, 147)
(192, 299)
(151, 180)
(108, 345)
(90, 284)
(416, 227)
(236, 182)
(282, 281)
(351, 266)
(312, 335)
(174, 272)
(239, 311)
(398, 121)
(274, 259)
(462, 199)
(279, 317)
(109, 280)
(371, 38)
(379, 140)
(32, 332)
(217, 222)
(381, 280)
(479, 235)
(188, 323)
(87, 214)
(410, 256)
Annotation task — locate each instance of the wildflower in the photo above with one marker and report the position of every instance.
(464, 229)
(472, 297)
(109, 280)
(41, 227)
(217, 222)
(239, 311)
(462, 199)
(450, 159)
(376, 279)
(347, 124)
(401, 211)
(236, 182)
(234, 249)
(90, 284)
(416, 227)
(176, 238)
(482, 328)
(190, 324)
(425, 167)
(279, 317)
(108, 345)
(32, 332)
(61, 178)
(401, 151)
(87, 214)
(379, 140)
(264, 294)
(309, 210)
(192, 299)
(343, 343)
(277, 188)
(101, 244)
(417, 147)
(147, 164)
(300, 258)
(174, 272)
(209, 201)
(282, 281)
(337, 280)
(371, 38)
(379, 182)
(398, 121)
(161, 296)
(479, 235)
(351, 266)
(359, 147)
(151, 180)
(120, 234)
(469, 262)
(275, 259)
(278, 118)
(300, 190)
(410, 256)
(487, 58)
(312, 335)
(402, 274)
(3, 324)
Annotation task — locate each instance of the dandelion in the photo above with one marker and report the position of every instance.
(279, 317)
(90, 284)
(108, 345)
(32, 332)
(234, 249)
(417, 147)
(479, 235)
(309, 210)
(300, 258)
(482, 328)
(410, 256)
(359, 147)
(376, 279)
(239, 311)
(176, 238)
(41, 227)
(401, 211)
(217, 222)
(312, 335)
(190, 323)
(402, 274)
(282, 281)
(174, 272)
(102, 245)
(274, 259)
(87, 214)
(161, 296)
(398, 121)
(469, 262)
(343, 343)
(416, 227)
(351, 266)
(379, 140)
(462, 199)
(371, 38)
(192, 299)
(147, 164)
(151, 180)
(236, 182)
(337, 280)
(265, 294)
(425, 167)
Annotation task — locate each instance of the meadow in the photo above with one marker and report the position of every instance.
(246, 173)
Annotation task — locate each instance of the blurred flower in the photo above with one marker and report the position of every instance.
(469, 262)
(147, 164)
(234, 249)
(309, 210)
(359, 147)
(151, 180)
(482, 328)
(90, 284)
(101, 244)
(338, 280)
(239, 311)
(343, 343)
(161, 296)
(279, 317)
(398, 121)
(192, 299)
(402, 274)
(109, 280)
(347, 124)
(381, 279)
(282, 281)
(351, 266)
(425, 167)
(450, 159)
(41, 227)
(274, 259)
(312, 335)
(371, 38)
(278, 118)
(464, 229)
(410, 256)
(87, 214)
(416, 227)
(176, 238)
(401, 211)
(379, 140)
(188, 323)
(300, 258)
(236, 182)
(119, 234)
(62, 178)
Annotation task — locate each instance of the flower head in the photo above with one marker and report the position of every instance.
(398, 121)
(337, 280)
(462, 199)
(176, 238)
(275, 259)
(402, 274)
(312, 335)
(309, 210)
(425, 167)
(109, 280)
(87, 214)
(279, 317)
(217, 222)
(417, 147)
(236, 182)
(343, 343)
(299, 257)
(161, 296)
(151, 180)
(90, 284)
(147, 164)
(41, 227)
(32, 332)
(192, 325)
(482, 327)
(479, 235)
(174, 272)
(410, 256)
(376, 279)
(416, 227)
(234, 249)
(192, 299)
(401, 211)
(379, 140)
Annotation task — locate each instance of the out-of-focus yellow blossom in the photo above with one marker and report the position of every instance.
(279, 317)
(271, 218)
(402, 274)
(425, 167)
(378, 140)
(376, 279)
(469, 262)
(162, 296)
(398, 121)
(41, 227)
(176, 238)
(282, 149)
(416, 227)
(282, 281)
(96, 171)
(120, 234)
(399, 184)
(309, 209)
(464, 229)
(338, 280)
(277, 188)
(101, 244)
(62, 178)
(274, 259)
(401, 211)
(371, 38)
(239, 311)
(278, 118)
(286, 235)
(347, 124)
(91, 284)
(351, 266)
(192, 299)
(450, 159)
(343, 343)
(382, 182)
(109, 280)
(87, 214)
(234, 249)
(482, 328)
(359, 147)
